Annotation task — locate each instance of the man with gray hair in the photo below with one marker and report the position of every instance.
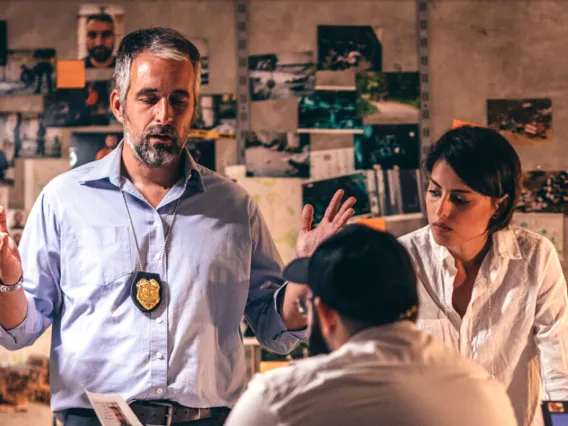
(144, 262)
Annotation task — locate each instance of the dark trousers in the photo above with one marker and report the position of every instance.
(92, 420)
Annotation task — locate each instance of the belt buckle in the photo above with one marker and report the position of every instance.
(169, 413)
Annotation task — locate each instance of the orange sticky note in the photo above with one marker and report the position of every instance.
(460, 123)
(265, 366)
(376, 223)
(70, 74)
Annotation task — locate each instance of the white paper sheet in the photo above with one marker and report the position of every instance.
(280, 202)
(112, 410)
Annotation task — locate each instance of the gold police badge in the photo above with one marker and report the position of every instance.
(146, 291)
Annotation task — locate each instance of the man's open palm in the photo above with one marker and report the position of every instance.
(333, 220)
(10, 263)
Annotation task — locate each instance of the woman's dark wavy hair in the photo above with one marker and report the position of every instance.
(486, 162)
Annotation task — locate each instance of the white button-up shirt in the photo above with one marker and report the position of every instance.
(516, 325)
(389, 375)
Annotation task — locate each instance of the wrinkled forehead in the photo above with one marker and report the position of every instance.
(150, 73)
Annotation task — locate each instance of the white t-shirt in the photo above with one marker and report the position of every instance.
(389, 375)
(517, 316)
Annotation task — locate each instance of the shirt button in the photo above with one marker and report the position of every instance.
(156, 224)
(159, 391)
(158, 256)
(159, 355)
(159, 320)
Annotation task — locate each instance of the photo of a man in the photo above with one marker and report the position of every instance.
(99, 33)
(88, 147)
(18, 219)
(111, 142)
(100, 41)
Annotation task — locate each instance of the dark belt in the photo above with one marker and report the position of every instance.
(164, 412)
(169, 413)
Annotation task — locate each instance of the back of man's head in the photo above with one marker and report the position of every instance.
(365, 275)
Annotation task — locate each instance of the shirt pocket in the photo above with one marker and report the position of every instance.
(102, 254)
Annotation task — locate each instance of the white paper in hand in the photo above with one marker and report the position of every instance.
(112, 410)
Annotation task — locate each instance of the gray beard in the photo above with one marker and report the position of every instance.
(152, 156)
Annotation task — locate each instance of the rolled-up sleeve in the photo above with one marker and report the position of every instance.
(265, 285)
(551, 328)
(40, 254)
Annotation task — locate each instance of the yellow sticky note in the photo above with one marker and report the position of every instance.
(376, 223)
(70, 74)
(271, 365)
(460, 123)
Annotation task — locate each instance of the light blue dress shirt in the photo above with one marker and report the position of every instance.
(79, 256)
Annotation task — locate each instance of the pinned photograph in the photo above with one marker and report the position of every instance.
(35, 139)
(8, 136)
(319, 193)
(328, 163)
(26, 135)
(521, 120)
(281, 75)
(88, 147)
(388, 98)
(97, 99)
(99, 32)
(16, 223)
(203, 152)
(217, 113)
(272, 154)
(16, 218)
(399, 191)
(89, 106)
(388, 146)
(28, 72)
(329, 111)
(356, 47)
(16, 235)
(67, 107)
(544, 192)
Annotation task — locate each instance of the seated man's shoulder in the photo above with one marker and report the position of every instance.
(285, 381)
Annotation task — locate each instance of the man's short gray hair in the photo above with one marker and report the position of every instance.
(162, 42)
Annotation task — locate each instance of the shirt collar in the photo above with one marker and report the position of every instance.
(504, 242)
(108, 169)
(381, 331)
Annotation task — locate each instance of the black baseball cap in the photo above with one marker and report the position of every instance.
(362, 273)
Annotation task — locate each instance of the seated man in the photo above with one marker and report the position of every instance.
(373, 366)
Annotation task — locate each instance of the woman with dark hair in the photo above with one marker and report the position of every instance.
(494, 292)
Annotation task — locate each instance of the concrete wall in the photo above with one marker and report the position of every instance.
(479, 49)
